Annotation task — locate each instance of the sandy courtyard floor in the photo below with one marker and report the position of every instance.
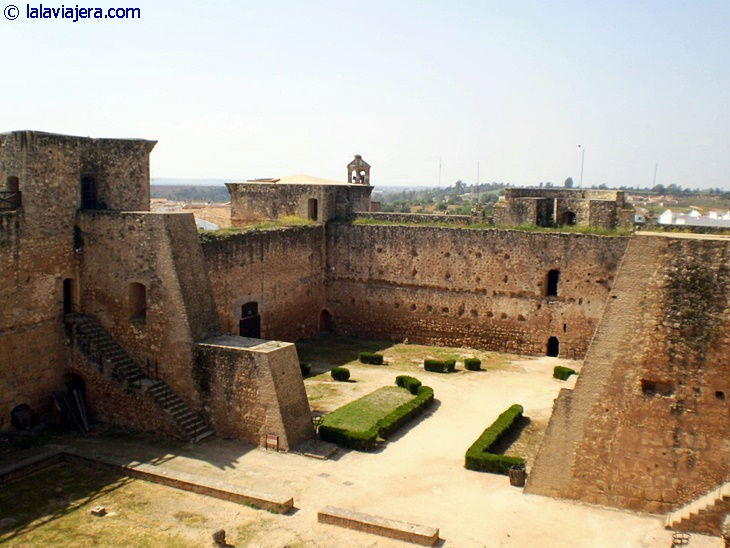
(417, 477)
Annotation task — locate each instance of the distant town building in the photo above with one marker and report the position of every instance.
(695, 218)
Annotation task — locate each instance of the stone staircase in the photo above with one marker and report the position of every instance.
(100, 348)
(702, 515)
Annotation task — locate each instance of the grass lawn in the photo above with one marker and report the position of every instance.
(327, 351)
(362, 414)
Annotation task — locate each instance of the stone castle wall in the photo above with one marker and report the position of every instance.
(647, 424)
(483, 288)
(161, 252)
(281, 270)
(37, 249)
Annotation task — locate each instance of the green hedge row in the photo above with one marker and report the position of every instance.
(411, 383)
(563, 373)
(478, 456)
(439, 366)
(473, 364)
(368, 440)
(371, 358)
(340, 373)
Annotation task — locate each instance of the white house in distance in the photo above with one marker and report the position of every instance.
(695, 218)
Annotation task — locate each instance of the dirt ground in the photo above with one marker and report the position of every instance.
(418, 476)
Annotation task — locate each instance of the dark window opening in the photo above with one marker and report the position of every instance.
(312, 209)
(553, 278)
(568, 218)
(656, 388)
(89, 198)
(720, 395)
(326, 323)
(68, 296)
(250, 323)
(565, 328)
(137, 302)
(553, 347)
(10, 195)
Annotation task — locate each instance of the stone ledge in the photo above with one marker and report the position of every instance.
(410, 532)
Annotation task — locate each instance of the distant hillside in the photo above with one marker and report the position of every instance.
(190, 193)
(167, 181)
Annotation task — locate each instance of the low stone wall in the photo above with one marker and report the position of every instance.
(409, 532)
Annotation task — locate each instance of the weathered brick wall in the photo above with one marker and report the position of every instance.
(251, 388)
(110, 402)
(281, 270)
(484, 288)
(37, 248)
(647, 424)
(160, 251)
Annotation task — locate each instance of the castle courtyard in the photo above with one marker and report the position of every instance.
(418, 476)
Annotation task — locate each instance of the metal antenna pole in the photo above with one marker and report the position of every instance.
(656, 166)
(582, 162)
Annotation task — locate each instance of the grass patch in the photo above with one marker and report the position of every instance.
(360, 424)
(363, 413)
(190, 518)
(207, 236)
(576, 229)
(51, 508)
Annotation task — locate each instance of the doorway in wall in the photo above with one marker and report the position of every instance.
(326, 323)
(68, 296)
(250, 323)
(553, 347)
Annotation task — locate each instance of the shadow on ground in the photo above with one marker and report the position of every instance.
(326, 351)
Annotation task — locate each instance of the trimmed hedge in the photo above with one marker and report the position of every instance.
(411, 383)
(368, 439)
(473, 364)
(478, 456)
(371, 358)
(439, 366)
(563, 373)
(340, 373)
(306, 368)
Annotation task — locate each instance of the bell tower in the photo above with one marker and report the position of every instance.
(358, 171)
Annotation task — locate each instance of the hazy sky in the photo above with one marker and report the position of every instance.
(258, 89)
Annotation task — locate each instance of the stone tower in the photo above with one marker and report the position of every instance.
(358, 171)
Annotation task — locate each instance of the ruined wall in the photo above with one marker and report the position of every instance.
(484, 288)
(282, 270)
(160, 251)
(648, 423)
(251, 388)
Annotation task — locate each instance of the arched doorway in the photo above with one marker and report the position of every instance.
(553, 347)
(72, 403)
(326, 323)
(250, 323)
